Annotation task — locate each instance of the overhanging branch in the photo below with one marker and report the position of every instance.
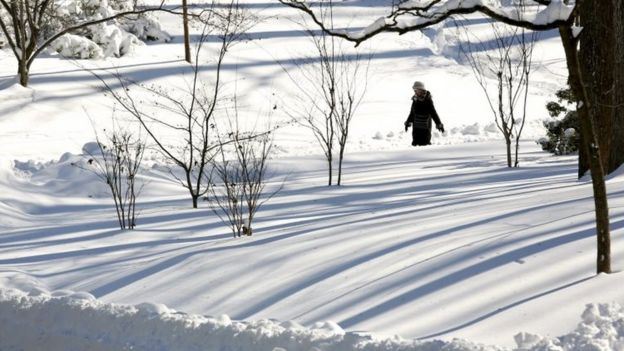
(431, 16)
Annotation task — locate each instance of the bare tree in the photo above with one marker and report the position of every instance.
(317, 105)
(253, 156)
(336, 83)
(540, 15)
(117, 162)
(227, 193)
(25, 26)
(352, 82)
(190, 116)
(505, 58)
(240, 179)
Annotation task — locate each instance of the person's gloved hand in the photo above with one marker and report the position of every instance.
(407, 125)
(440, 127)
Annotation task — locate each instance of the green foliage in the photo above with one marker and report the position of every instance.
(565, 95)
(563, 133)
(555, 109)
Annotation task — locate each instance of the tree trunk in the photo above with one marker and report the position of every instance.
(517, 146)
(584, 108)
(187, 39)
(617, 127)
(194, 197)
(583, 163)
(600, 52)
(508, 142)
(329, 169)
(22, 72)
(341, 157)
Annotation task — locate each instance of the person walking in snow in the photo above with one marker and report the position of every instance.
(421, 114)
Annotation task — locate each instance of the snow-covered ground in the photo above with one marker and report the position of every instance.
(440, 242)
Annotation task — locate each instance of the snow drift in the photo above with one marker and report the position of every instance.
(66, 320)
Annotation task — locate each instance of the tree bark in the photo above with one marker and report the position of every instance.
(508, 145)
(187, 39)
(194, 197)
(329, 171)
(22, 72)
(599, 55)
(584, 109)
(340, 158)
(617, 127)
(516, 163)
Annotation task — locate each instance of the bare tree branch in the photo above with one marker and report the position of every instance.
(432, 13)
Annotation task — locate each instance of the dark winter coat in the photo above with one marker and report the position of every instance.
(421, 114)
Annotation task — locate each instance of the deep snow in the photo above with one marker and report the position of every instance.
(82, 322)
(439, 242)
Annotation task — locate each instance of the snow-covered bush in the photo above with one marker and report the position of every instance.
(145, 27)
(491, 128)
(562, 136)
(472, 129)
(74, 46)
(114, 38)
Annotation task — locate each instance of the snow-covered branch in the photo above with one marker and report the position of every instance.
(418, 14)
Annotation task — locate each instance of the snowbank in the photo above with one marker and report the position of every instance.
(64, 320)
(601, 329)
(67, 320)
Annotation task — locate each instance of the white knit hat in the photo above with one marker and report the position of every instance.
(418, 85)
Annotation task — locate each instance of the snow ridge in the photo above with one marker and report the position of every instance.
(64, 320)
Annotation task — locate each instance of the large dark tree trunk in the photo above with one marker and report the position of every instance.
(617, 127)
(600, 52)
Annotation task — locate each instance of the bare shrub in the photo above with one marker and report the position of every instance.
(117, 161)
(240, 175)
(332, 83)
(507, 59)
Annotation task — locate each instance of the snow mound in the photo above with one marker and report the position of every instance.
(146, 27)
(74, 46)
(68, 176)
(14, 92)
(32, 316)
(601, 329)
(64, 320)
